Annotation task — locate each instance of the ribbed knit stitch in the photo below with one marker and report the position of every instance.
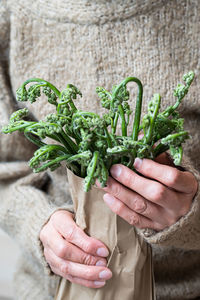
(91, 43)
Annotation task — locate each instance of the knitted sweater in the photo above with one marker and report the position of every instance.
(90, 43)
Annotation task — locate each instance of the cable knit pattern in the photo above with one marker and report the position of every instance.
(90, 43)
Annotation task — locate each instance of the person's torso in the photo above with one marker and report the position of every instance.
(99, 43)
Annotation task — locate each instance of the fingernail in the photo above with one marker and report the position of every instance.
(116, 170)
(137, 162)
(106, 274)
(99, 283)
(102, 252)
(109, 199)
(101, 263)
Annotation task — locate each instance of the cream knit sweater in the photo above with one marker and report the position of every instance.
(90, 43)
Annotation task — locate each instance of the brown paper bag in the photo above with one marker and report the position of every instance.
(130, 257)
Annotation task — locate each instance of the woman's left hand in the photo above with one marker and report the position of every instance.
(155, 199)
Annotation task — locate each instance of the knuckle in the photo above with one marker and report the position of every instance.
(159, 192)
(129, 179)
(88, 259)
(133, 220)
(88, 247)
(59, 215)
(116, 189)
(43, 234)
(64, 268)
(70, 234)
(119, 208)
(140, 205)
(55, 216)
(89, 274)
(173, 177)
(146, 167)
(61, 250)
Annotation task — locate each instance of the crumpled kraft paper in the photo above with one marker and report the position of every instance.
(130, 258)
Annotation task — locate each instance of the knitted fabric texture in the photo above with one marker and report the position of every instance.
(92, 43)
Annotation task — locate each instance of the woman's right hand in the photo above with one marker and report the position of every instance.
(72, 254)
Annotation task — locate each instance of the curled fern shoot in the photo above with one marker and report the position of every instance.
(86, 142)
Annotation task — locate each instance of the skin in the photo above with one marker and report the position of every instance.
(72, 254)
(155, 197)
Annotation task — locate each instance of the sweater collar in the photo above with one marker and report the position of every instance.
(87, 11)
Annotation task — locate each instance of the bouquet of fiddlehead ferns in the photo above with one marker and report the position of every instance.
(88, 143)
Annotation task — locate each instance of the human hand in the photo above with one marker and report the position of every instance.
(155, 199)
(72, 254)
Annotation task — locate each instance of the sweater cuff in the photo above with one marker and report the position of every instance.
(185, 233)
(29, 209)
(42, 215)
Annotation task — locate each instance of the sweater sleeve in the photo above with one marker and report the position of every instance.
(185, 233)
(24, 206)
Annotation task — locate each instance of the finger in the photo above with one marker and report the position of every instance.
(164, 216)
(75, 235)
(68, 251)
(149, 189)
(77, 270)
(133, 200)
(119, 208)
(77, 280)
(87, 272)
(171, 177)
(88, 283)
